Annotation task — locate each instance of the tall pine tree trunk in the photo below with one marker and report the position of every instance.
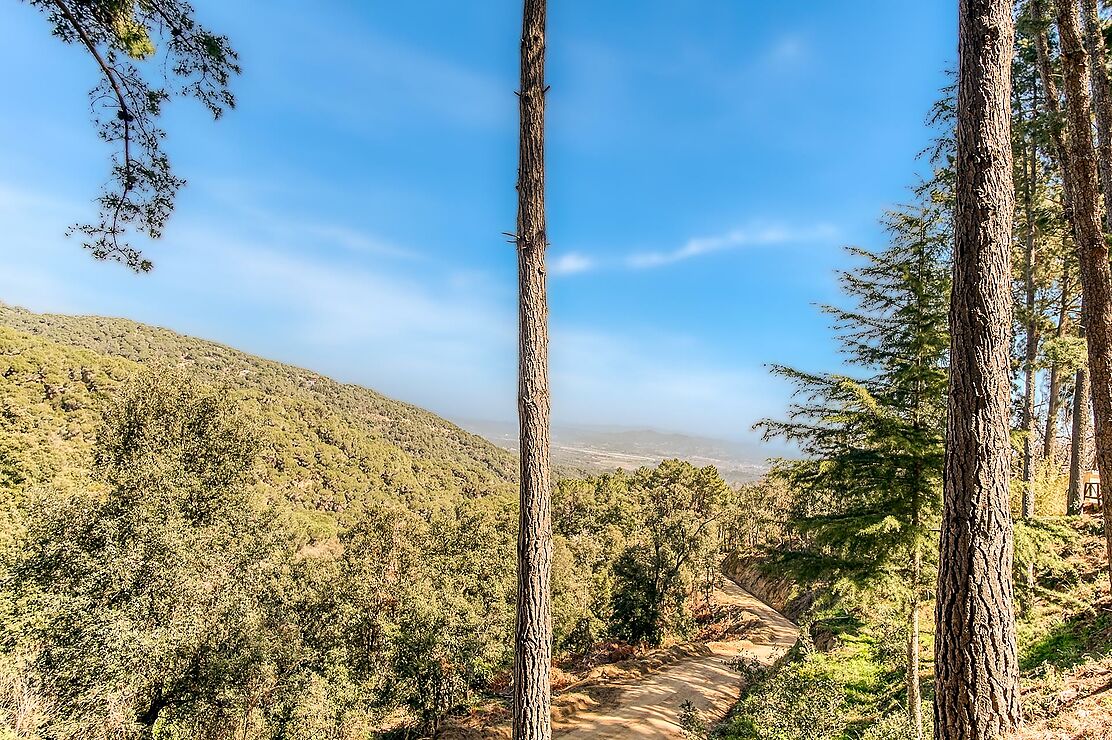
(1061, 159)
(1054, 387)
(1031, 332)
(1096, 275)
(1102, 107)
(1078, 458)
(976, 665)
(1050, 431)
(533, 642)
(914, 694)
(1053, 107)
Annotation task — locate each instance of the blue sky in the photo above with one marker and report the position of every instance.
(707, 161)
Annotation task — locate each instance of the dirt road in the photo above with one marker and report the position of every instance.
(648, 707)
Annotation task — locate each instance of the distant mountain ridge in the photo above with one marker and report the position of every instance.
(593, 449)
(328, 447)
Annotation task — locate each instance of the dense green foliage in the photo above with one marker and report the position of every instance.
(870, 481)
(327, 449)
(146, 590)
(161, 596)
(648, 540)
(198, 543)
(815, 696)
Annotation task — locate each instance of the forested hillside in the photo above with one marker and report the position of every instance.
(196, 542)
(326, 447)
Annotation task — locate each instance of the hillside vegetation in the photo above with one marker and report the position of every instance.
(195, 542)
(845, 679)
(326, 447)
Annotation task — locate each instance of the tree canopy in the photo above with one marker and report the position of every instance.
(127, 40)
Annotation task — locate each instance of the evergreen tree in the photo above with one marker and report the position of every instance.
(125, 39)
(532, 700)
(869, 486)
(1089, 226)
(976, 667)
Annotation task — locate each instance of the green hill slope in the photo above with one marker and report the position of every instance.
(328, 447)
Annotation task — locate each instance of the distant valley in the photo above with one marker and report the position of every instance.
(592, 449)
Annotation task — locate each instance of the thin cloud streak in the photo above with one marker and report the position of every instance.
(761, 236)
(572, 263)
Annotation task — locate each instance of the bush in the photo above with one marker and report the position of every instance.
(800, 701)
(23, 714)
(1041, 547)
(642, 542)
(895, 726)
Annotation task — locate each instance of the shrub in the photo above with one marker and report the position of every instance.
(800, 701)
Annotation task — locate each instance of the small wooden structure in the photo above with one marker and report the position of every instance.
(1090, 491)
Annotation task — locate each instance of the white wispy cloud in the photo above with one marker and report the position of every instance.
(735, 239)
(572, 263)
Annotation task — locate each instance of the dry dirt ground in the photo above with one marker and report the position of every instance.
(1080, 710)
(644, 701)
(649, 707)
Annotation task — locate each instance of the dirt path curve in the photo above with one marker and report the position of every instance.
(648, 708)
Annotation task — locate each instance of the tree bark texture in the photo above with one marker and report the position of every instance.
(1079, 461)
(976, 663)
(1092, 249)
(533, 640)
(1031, 333)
